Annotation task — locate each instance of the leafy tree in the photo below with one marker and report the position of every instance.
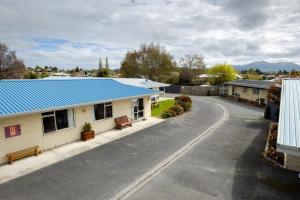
(31, 75)
(222, 73)
(193, 61)
(294, 74)
(103, 73)
(77, 69)
(44, 74)
(10, 66)
(151, 61)
(185, 76)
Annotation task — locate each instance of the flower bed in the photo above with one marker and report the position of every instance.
(270, 150)
(182, 104)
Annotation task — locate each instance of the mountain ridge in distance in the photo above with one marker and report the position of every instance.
(269, 67)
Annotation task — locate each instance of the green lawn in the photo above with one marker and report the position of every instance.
(163, 105)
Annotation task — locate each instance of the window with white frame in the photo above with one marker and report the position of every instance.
(256, 91)
(57, 120)
(103, 111)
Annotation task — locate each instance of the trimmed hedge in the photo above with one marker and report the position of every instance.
(184, 98)
(185, 105)
(178, 110)
(166, 114)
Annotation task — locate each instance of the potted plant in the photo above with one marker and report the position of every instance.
(87, 132)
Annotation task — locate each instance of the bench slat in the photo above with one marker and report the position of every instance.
(23, 153)
(123, 121)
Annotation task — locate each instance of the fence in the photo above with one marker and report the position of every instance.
(198, 90)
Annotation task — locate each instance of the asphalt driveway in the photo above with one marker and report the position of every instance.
(226, 165)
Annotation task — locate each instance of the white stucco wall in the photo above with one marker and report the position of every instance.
(32, 129)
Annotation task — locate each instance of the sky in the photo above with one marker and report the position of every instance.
(74, 33)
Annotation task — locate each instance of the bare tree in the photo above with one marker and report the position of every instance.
(192, 61)
(10, 66)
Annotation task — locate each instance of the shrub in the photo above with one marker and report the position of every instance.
(86, 127)
(184, 98)
(185, 105)
(166, 114)
(177, 109)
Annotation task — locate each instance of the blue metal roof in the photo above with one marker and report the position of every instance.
(288, 139)
(28, 96)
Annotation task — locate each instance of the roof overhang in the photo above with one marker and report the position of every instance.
(247, 85)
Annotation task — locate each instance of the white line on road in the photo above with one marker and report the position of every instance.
(148, 176)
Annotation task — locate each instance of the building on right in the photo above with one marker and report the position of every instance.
(288, 140)
(250, 91)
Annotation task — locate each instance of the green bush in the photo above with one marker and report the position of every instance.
(87, 127)
(177, 109)
(185, 105)
(184, 98)
(166, 114)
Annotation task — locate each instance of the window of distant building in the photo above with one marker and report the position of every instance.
(256, 91)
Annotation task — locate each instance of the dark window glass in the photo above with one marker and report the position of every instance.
(48, 113)
(141, 104)
(108, 111)
(99, 111)
(49, 124)
(141, 114)
(61, 119)
(256, 91)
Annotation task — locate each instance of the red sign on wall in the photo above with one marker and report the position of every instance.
(12, 131)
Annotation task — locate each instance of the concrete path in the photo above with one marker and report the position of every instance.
(104, 171)
(31, 164)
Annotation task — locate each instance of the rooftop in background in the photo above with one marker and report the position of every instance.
(288, 139)
(138, 82)
(29, 96)
(251, 83)
(141, 82)
(213, 76)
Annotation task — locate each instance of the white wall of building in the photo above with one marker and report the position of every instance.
(32, 128)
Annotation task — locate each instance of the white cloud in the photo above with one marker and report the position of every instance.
(233, 31)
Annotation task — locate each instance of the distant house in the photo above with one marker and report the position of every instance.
(288, 139)
(143, 82)
(251, 91)
(49, 113)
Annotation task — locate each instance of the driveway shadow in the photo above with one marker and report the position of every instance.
(257, 178)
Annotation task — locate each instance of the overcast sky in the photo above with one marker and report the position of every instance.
(76, 32)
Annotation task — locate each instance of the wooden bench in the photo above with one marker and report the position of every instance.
(23, 153)
(122, 122)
